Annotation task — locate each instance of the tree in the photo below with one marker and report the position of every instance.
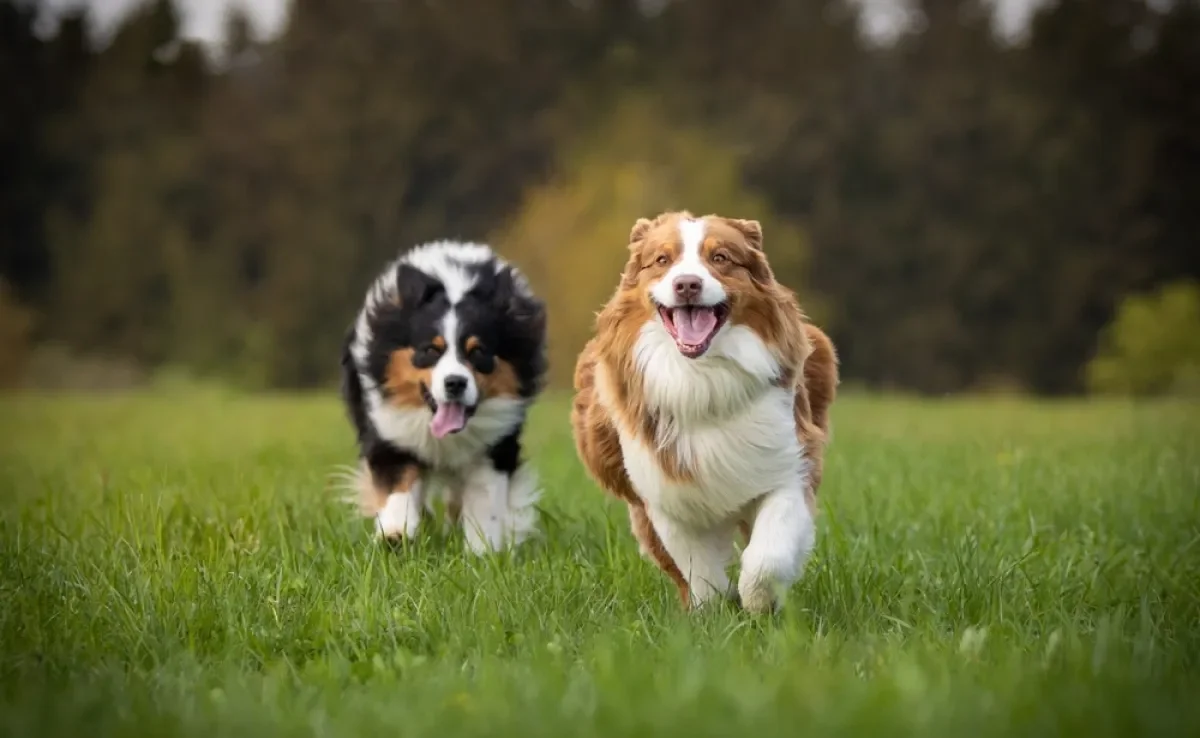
(120, 253)
(973, 212)
(40, 80)
(570, 236)
(16, 324)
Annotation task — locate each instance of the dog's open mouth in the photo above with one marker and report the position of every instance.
(448, 417)
(694, 326)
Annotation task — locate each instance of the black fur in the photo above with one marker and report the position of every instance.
(506, 455)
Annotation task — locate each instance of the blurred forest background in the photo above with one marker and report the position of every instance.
(962, 212)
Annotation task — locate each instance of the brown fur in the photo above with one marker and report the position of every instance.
(819, 387)
(403, 380)
(373, 493)
(502, 382)
(647, 537)
(733, 251)
(598, 444)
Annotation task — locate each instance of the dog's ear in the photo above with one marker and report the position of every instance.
(760, 270)
(522, 325)
(640, 228)
(524, 314)
(751, 230)
(634, 265)
(415, 287)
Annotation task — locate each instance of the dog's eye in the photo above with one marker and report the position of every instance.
(429, 354)
(720, 257)
(662, 260)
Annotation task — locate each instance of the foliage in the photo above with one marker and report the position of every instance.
(1153, 345)
(570, 235)
(177, 565)
(973, 212)
(16, 325)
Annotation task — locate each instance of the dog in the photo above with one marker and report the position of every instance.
(439, 370)
(703, 402)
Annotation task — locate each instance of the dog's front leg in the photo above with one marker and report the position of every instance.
(484, 502)
(700, 555)
(401, 513)
(781, 539)
(499, 508)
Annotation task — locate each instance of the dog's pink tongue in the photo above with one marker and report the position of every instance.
(449, 418)
(693, 325)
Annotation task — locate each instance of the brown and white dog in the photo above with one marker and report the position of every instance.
(703, 403)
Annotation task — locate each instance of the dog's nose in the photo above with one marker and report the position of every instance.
(687, 287)
(456, 386)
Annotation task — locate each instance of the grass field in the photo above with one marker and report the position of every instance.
(179, 566)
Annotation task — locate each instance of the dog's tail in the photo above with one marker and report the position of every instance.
(354, 486)
(820, 376)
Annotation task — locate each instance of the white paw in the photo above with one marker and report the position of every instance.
(499, 513)
(757, 593)
(764, 580)
(780, 544)
(400, 517)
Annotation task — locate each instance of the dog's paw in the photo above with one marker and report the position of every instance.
(760, 588)
(400, 518)
(757, 595)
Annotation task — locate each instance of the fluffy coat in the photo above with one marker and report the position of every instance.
(438, 372)
(703, 403)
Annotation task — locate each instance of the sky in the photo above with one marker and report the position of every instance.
(203, 19)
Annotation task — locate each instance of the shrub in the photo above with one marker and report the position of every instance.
(1152, 347)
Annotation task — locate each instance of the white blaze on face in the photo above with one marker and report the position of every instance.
(691, 301)
(690, 264)
(451, 413)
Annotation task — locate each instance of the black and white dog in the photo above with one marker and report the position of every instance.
(438, 371)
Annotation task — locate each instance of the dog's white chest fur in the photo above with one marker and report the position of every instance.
(732, 431)
(731, 462)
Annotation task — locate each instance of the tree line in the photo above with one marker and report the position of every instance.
(959, 211)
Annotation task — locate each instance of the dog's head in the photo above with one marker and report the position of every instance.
(696, 276)
(454, 335)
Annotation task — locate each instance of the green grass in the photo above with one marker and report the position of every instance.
(180, 566)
